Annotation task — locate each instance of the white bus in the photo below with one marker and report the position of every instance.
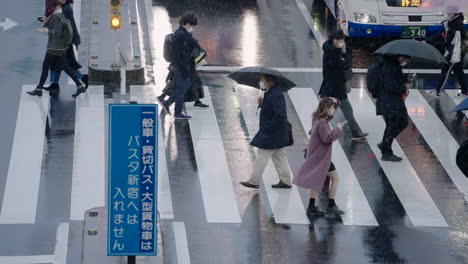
(387, 18)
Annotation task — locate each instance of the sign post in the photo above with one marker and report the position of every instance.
(132, 183)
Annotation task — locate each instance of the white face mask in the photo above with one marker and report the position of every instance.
(262, 85)
(340, 44)
(190, 29)
(331, 111)
(403, 64)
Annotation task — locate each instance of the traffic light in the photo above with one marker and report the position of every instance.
(115, 13)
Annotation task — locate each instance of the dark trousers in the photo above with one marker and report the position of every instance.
(57, 62)
(182, 87)
(457, 71)
(347, 110)
(394, 125)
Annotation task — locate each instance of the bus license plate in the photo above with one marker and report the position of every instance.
(414, 32)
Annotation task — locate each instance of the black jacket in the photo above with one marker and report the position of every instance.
(335, 62)
(462, 158)
(274, 126)
(442, 41)
(390, 100)
(184, 44)
(68, 13)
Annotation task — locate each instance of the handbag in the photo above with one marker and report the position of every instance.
(347, 86)
(348, 74)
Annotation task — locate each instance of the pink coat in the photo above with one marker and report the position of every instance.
(313, 172)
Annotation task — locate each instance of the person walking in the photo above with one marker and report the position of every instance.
(336, 73)
(318, 165)
(273, 136)
(182, 65)
(454, 23)
(67, 10)
(391, 105)
(56, 49)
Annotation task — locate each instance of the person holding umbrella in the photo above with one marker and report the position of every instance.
(275, 131)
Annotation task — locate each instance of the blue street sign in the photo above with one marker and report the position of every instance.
(132, 168)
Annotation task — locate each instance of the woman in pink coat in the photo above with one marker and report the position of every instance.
(318, 165)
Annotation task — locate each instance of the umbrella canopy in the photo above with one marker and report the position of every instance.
(463, 106)
(250, 76)
(412, 48)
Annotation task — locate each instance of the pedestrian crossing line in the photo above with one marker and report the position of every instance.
(453, 94)
(213, 170)
(412, 194)
(437, 136)
(88, 182)
(146, 95)
(350, 196)
(286, 205)
(24, 171)
(60, 252)
(183, 255)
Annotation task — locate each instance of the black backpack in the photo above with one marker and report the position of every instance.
(168, 47)
(462, 158)
(374, 79)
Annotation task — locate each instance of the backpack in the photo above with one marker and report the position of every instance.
(168, 47)
(67, 32)
(374, 80)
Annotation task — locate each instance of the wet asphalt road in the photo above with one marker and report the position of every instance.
(236, 33)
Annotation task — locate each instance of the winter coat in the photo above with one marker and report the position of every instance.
(443, 40)
(55, 27)
(390, 101)
(274, 126)
(313, 172)
(68, 13)
(197, 85)
(335, 62)
(462, 157)
(184, 44)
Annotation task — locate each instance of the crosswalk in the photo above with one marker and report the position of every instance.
(220, 200)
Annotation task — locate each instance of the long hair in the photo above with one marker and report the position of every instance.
(322, 108)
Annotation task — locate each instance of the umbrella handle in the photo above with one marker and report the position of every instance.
(446, 77)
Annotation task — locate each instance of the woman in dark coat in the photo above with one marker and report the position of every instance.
(273, 136)
(336, 72)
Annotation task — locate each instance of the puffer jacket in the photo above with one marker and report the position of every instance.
(55, 32)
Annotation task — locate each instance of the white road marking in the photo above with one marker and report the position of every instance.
(145, 95)
(24, 172)
(88, 184)
(183, 255)
(308, 18)
(286, 204)
(213, 170)
(437, 137)
(350, 196)
(453, 94)
(414, 197)
(306, 70)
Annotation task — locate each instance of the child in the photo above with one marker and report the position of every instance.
(318, 165)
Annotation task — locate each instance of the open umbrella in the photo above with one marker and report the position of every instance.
(415, 49)
(463, 106)
(250, 76)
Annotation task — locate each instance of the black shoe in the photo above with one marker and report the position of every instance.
(201, 105)
(392, 158)
(53, 86)
(35, 92)
(334, 210)
(250, 185)
(85, 80)
(314, 212)
(380, 146)
(81, 89)
(359, 136)
(281, 185)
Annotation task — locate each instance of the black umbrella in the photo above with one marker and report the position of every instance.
(415, 49)
(250, 76)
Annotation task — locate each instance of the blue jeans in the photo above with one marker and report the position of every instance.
(55, 75)
(182, 87)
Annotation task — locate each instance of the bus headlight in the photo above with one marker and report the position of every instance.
(364, 18)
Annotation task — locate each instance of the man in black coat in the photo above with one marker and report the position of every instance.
(451, 26)
(336, 62)
(182, 65)
(273, 136)
(391, 105)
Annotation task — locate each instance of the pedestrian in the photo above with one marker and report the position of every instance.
(70, 54)
(462, 157)
(182, 64)
(55, 57)
(454, 23)
(273, 136)
(391, 105)
(318, 165)
(195, 93)
(336, 75)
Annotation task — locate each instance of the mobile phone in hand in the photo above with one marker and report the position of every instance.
(40, 18)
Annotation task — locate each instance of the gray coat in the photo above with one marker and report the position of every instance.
(55, 27)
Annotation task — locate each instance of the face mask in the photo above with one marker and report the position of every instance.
(403, 64)
(262, 85)
(190, 29)
(340, 45)
(331, 111)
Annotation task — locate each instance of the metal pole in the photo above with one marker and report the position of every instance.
(123, 79)
(131, 260)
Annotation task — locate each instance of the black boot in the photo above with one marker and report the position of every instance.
(81, 89)
(85, 80)
(53, 86)
(36, 92)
